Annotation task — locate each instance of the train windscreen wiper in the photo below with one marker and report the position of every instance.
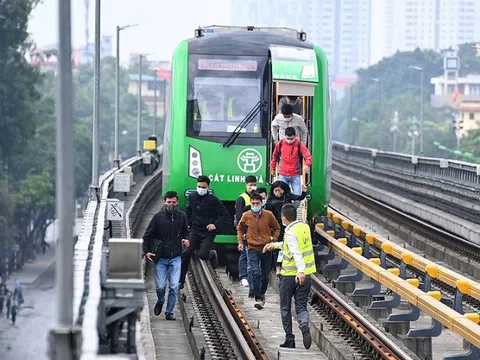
(247, 120)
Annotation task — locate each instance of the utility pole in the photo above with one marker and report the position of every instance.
(379, 115)
(64, 337)
(418, 68)
(351, 115)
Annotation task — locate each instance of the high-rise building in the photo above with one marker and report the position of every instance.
(340, 27)
(426, 24)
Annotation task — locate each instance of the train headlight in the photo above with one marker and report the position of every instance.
(194, 163)
(308, 72)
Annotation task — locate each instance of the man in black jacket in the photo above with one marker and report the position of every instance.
(162, 244)
(205, 213)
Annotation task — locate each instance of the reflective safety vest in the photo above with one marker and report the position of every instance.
(246, 198)
(301, 232)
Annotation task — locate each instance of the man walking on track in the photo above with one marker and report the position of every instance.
(162, 245)
(260, 227)
(298, 264)
(205, 213)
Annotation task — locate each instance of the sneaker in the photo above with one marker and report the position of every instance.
(251, 293)
(259, 304)
(214, 258)
(288, 344)
(244, 282)
(157, 310)
(307, 339)
(169, 316)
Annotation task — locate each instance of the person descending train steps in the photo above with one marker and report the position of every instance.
(280, 195)
(289, 153)
(288, 119)
(205, 213)
(260, 227)
(162, 245)
(298, 263)
(295, 101)
(243, 201)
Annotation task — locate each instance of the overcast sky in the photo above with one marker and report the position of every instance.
(158, 31)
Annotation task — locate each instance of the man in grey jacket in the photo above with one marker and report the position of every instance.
(288, 119)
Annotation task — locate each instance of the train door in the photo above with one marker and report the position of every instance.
(294, 73)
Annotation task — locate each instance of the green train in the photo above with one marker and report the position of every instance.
(225, 87)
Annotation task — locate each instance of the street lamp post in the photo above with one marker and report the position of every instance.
(379, 114)
(418, 68)
(139, 106)
(116, 158)
(96, 103)
(64, 337)
(155, 102)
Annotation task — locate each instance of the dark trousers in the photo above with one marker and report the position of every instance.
(261, 265)
(201, 241)
(288, 289)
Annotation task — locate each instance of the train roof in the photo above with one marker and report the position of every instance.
(253, 43)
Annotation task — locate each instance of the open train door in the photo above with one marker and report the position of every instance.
(295, 73)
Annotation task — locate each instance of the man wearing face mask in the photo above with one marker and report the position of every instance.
(242, 201)
(205, 213)
(289, 153)
(162, 245)
(280, 195)
(288, 119)
(298, 263)
(260, 227)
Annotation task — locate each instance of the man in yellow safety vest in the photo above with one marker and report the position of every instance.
(298, 263)
(244, 200)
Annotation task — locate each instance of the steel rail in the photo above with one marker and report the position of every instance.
(383, 346)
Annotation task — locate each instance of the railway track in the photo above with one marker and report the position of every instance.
(365, 340)
(428, 231)
(227, 333)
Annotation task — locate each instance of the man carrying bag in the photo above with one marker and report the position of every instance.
(162, 245)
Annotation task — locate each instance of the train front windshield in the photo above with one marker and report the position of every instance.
(221, 93)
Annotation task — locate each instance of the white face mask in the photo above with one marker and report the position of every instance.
(290, 141)
(201, 191)
(264, 202)
(253, 188)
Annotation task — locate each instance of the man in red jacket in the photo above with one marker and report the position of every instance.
(289, 153)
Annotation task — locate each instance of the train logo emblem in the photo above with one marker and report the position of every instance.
(249, 161)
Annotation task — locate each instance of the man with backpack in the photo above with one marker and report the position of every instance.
(289, 153)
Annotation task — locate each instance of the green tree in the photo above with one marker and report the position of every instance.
(399, 86)
(471, 143)
(18, 97)
(469, 61)
(18, 79)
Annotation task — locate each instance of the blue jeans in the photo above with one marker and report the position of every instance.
(168, 269)
(261, 264)
(244, 268)
(295, 183)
